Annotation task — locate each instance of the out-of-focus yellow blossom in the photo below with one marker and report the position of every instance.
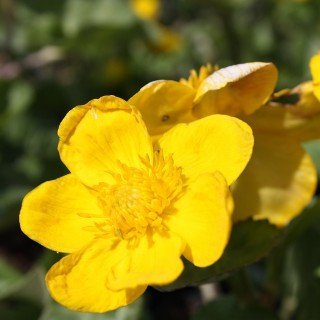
(165, 40)
(129, 210)
(280, 179)
(146, 9)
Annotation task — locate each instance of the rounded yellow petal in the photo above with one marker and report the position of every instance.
(238, 89)
(95, 137)
(78, 281)
(315, 71)
(155, 260)
(277, 184)
(54, 213)
(163, 104)
(215, 143)
(202, 217)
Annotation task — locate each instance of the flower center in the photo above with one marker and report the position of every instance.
(138, 200)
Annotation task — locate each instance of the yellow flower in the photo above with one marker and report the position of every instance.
(280, 179)
(128, 210)
(146, 9)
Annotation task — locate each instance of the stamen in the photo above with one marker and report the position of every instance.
(196, 78)
(138, 200)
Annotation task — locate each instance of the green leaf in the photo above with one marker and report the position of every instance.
(10, 279)
(301, 283)
(313, 148)
(250, 241)
(226, 308)
(303, 221)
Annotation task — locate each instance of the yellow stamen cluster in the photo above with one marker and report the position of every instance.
(196, 78)
(137, 201)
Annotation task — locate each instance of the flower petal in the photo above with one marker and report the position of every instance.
(202, 217)
(155, 261)
(315, 71)
(55, 214)
(300, 121)
(308, 105)
(96, 136)
(278, 182)
(237, 89)
(78, 281)
(163, 104)
(215, 143)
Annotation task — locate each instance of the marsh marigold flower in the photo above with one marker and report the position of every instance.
(280, 178)
(128, 211)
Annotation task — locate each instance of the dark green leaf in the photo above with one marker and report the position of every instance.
(301, 284)
(313, 148)
(13, 309)
(303, 221)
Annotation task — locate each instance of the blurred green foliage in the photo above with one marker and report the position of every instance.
(57, 54)
(227, 308)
